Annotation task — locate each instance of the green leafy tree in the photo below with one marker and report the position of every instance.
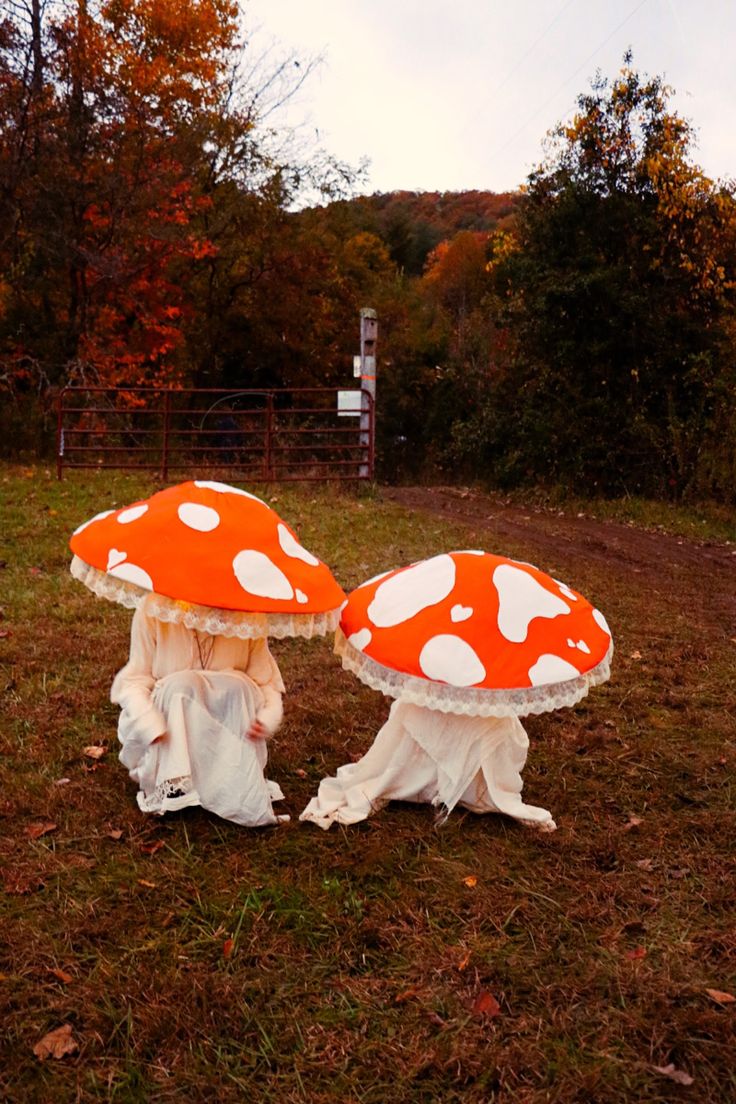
(617, 295)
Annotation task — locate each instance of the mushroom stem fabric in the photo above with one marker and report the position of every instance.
(444, 759)
(180, 720)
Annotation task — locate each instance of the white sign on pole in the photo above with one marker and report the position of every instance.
(356, 367)
(349, 404)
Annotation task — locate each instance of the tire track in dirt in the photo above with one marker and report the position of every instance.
(701, 575)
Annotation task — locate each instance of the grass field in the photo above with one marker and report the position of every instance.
(197, 961)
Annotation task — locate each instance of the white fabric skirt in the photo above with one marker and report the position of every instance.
(205, 755)
(443, 759)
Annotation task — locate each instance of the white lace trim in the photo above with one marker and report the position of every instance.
(172, 791)
(469, 701)
(217, 622)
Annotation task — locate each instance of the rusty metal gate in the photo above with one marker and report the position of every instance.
(308, 433)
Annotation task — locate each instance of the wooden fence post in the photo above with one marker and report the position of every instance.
(368, 372)
(165, 449)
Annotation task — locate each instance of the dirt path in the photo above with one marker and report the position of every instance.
(703, 574)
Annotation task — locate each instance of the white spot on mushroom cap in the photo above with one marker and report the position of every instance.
(131, 573)
(301, 597)
(223, 488)
(449, 658)
(259, 575)
(461, 613)
(601, 621)
(520, 599)
(564, 589)
(132, 513)
(291, 547)
(92, 520)
(114, 557)
(405, 594)
(360, 639)
(583, 647)
(195, 516)
(551, 668)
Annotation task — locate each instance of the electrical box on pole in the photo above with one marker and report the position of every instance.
(368, 342)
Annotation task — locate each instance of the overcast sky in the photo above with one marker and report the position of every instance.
(456, 94)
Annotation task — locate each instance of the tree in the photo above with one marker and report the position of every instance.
(618, 300)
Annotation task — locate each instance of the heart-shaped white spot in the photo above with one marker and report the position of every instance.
(360, 639)
(583, 647)
(115, 557)
(461, 613)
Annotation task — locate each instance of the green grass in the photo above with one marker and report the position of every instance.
(701, 521)
(358, 954)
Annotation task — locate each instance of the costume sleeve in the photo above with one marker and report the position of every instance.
(133, 685)
(264, 671)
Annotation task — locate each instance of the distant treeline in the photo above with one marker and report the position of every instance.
(580, 332)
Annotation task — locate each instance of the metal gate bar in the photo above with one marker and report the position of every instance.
(273, 441)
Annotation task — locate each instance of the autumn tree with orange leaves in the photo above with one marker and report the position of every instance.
(102, 162)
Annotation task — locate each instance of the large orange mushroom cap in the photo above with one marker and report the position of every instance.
(203, 546)
(475, 633)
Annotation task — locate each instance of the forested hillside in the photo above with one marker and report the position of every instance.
(579, 332)
(412, 224)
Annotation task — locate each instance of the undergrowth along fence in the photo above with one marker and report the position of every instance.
(277, 435)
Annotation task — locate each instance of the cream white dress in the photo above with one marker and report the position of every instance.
(187, 701)
(444, 759)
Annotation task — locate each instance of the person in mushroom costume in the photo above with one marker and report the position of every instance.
(467, 642)
(211, 571)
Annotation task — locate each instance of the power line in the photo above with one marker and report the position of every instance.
(530, 50)
(564, 84)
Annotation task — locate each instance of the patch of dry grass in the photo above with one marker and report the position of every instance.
(360, 957)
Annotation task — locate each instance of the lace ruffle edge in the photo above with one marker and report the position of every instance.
(208, 619)
(468, 700)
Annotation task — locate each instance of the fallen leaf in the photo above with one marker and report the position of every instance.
(645, 864)
(407, 994)
(470, 881)
(148, 885)
(35, 831)
(115, 833)
(632, 822)
(638, 952)
(167, 919)
(94, 751)
(152, 848)
(62, 975)
(34, 570)
(463, 964)
(62, 781)
(635, 655)
(227, 948)
(679, 1076)
(56, 1044)
(720, 997)
(17, 885)
(485, 1004)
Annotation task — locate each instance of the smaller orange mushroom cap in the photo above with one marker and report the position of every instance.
(475, 622)
(209, 544)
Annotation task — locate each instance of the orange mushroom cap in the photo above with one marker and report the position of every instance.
(204, 545)
(475, 633)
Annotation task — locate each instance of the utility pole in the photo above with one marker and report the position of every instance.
(368, 341)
